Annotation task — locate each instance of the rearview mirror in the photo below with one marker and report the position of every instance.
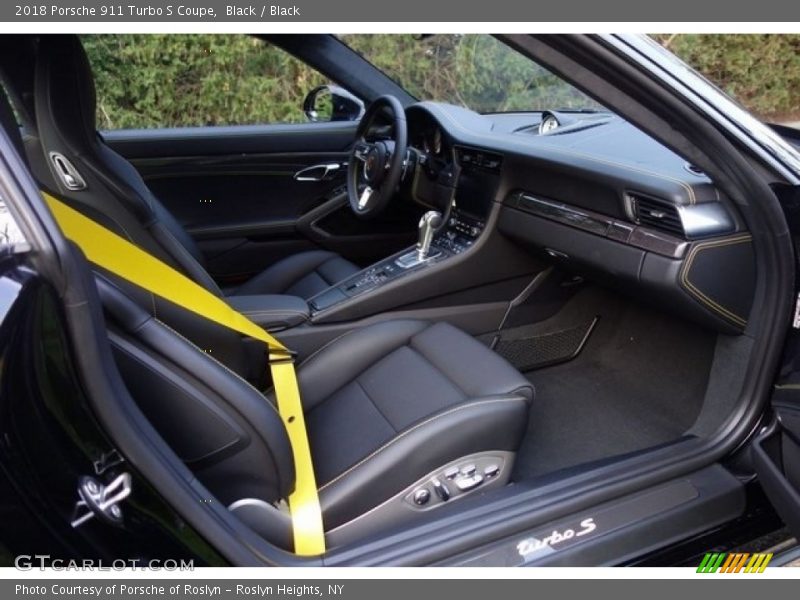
(332, 103)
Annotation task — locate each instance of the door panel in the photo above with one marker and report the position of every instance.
(234, 189)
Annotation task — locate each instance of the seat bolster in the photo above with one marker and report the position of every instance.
(478, 425)
(284, 274)
(238, 396)
(348, 356)
(177, 249)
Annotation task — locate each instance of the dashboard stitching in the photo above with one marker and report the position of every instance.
(700, 295)
(689, 190)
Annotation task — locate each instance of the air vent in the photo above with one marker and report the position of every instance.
(657, 214)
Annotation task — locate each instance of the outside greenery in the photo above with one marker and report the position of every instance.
(188, 80)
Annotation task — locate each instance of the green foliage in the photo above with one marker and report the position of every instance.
(476, 71)
(189, 80)
(760, 71)
(185, 80)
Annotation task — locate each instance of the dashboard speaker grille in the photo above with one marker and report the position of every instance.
(658, 214)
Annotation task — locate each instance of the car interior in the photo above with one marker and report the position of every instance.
(480, 304)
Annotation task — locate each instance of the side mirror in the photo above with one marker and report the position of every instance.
(332, 103)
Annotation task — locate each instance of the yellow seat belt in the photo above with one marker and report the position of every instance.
(117, 255)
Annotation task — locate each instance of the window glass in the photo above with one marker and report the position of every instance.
(478, 72)
(151, 80)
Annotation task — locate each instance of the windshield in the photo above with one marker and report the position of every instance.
(476, 71)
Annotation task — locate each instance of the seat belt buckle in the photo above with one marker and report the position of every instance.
(280, 357)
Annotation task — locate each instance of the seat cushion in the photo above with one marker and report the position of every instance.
(305, 274)
(387, 404)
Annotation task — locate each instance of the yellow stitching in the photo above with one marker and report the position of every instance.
(696, 292)
(683, 184)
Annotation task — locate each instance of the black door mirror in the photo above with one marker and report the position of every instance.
(332, 103)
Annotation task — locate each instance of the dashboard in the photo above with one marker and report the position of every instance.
(591, 193)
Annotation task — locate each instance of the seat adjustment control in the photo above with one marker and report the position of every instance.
(458, 479)
(491, 470)
(466, 484)
(441, 490)
(421, 497)
(451, 472)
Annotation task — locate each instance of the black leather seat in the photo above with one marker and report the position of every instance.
(386, 407)
(65, 117)
(392, 402)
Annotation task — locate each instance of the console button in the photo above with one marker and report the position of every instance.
(421, 497)
(468, 470)
(441, 490)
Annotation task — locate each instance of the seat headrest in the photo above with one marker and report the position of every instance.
(65, 89)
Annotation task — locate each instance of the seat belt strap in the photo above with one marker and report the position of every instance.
(108, 250)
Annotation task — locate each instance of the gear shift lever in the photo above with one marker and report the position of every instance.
(428, 224)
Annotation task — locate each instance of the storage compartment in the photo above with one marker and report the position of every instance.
(273, 312)
(574, 248)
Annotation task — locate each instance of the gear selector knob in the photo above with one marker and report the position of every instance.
(428, 224)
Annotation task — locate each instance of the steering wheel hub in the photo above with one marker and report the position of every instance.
(375, 164)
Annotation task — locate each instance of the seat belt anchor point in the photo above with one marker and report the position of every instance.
(282, 356)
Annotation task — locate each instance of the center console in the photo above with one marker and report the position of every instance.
(464, 190)
(452, 238)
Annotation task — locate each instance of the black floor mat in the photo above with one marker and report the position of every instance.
(638, 382)
(528, 352)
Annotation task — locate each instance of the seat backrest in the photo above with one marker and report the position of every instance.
(115, 196)
(224, 429)
(65, 105)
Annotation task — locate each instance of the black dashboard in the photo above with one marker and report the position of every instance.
(594, 194)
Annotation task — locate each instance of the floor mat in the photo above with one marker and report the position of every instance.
(638, 382)
(528, 352)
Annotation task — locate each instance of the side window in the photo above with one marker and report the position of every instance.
(150, 81)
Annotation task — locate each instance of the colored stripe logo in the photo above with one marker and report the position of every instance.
(734, 562)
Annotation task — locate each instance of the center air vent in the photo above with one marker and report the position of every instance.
(658, 214)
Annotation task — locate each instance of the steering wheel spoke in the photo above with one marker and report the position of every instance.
(364, 198)
(361, 149)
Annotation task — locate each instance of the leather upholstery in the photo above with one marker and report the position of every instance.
(305, 275)
(215, 421)
(385, 405)
(391, 402)
(273, 312)
(65, 109)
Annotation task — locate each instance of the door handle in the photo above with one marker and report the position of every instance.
(317, 172)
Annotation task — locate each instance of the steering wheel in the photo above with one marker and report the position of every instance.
(375, 166)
